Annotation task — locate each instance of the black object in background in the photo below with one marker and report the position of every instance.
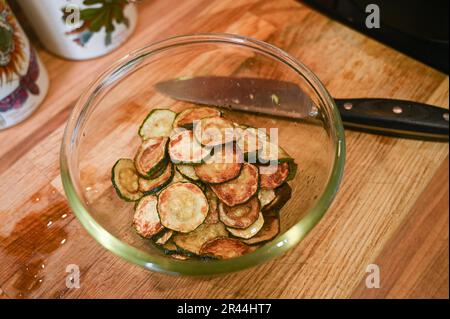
(418, 28)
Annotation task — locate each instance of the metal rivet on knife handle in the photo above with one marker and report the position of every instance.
(397, 110)
(446, 116)
(348, 106)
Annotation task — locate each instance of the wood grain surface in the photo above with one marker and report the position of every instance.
(392, 209)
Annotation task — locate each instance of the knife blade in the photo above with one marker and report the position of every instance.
(286, 99)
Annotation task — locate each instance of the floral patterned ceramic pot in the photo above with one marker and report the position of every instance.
(23, 78)
(81, 29)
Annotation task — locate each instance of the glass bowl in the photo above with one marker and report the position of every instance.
(103, 128)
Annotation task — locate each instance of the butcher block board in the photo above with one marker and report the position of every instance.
(391, 211)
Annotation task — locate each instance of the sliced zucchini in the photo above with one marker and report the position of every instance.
(151, 157)
(272, 176)
(213, 201)
(224, 248)
(126, 180)
(165, 237)
(240, 189)
(266, 196)
(224, 165)
(272, 153)
(182, 207)
(292, 170)
(177, 177)
(158, 123)
(269, 231)
(146, 220)
(250, 231)
(188, 116)
(193, 241)
(214, 131)
(251, 140)
(184, 149)
(188, 172)
(151, 186)
(240, 216)
(179, 256)
(282, 196)
(170, 248)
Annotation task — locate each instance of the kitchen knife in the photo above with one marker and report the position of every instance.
(286, 99)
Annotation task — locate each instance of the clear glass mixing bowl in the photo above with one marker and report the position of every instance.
(103, 127)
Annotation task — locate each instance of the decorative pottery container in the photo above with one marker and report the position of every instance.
(23, 78)
(81, 29)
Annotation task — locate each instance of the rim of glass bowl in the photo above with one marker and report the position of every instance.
(158, 263)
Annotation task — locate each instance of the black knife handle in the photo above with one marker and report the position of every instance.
(395, 117)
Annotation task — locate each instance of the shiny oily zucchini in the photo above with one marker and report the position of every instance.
(182, 207)
(224, 248)
(188, 116)
(224, 165)
(266, 196)
(214, 131)
(157, 123)
(282, 196)
(240, 189)
(272, 176)
(151, 158)
(164, 237)
(188, 172)
(151, 186)
(193, 241)
(271, 153)
(269, 231)
(250, 231)
(240, 216)
(213, 201)
(184, 149)
(146, 219)
(179, 256)
(126, 180)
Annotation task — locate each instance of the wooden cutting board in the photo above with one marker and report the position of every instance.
(392, 209)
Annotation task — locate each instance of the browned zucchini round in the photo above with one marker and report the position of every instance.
(146, 220)
(225, 248)
(184, 149)
(188, 116)
(240, 189)
(240, 216)
(224, 165)
(269, 231)
(271, 177)
(182, 207)
(214, 131)
(151, 157)
(151, 186)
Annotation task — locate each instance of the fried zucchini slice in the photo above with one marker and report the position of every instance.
(151, 186)
(188, 172)
(193, 241)
(164, 237)
(188, 116)
(213, 201)
(125, 180)
(266, 196)
(224, 248)
(170, 248)
(182, 207)
(214, 131)
(158, 123)
(150, 159)
(240, 189)
(272, 177)
(146, 219)
(240, 216)
(250, 231)
(282, 196)
(179, 256)
(269, 231)
(251, 140)
(224, 165)
(184, 149)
